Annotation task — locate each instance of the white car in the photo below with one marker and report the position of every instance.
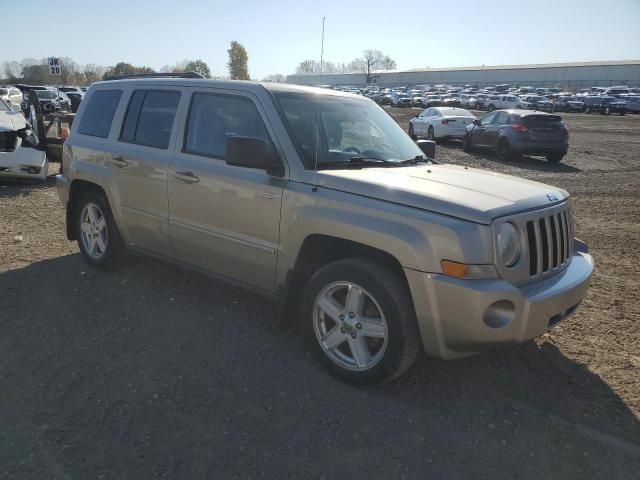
(11, 95)
(506, 102)
(401, 99)
(18, 158)
(440, 122)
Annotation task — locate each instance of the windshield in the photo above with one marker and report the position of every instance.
(337, 129)
(46, 94)
(456, 112)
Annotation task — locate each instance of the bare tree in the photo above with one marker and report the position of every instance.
(308, 66)
(371, 61)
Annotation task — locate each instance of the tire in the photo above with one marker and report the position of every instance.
(431, 134)
(101, 246)
(587, 110)
(386, 293)
(554, 157)
(467, 145)
(607, 111)
(503, 150)
(411, 132)
(492, 107)
(622, 113)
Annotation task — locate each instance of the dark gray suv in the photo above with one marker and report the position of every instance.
(511, 132)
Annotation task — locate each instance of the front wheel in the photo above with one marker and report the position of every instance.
(504, 150)
(412, 133)
(554, 157)
(467, 145)
(96, 231)
(359, 321)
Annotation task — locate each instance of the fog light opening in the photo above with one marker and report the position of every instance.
(499, 314)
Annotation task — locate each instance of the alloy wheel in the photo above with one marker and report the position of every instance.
(93, 231)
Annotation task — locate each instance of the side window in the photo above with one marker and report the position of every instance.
(149, 118)
(213, 118)
(501, 118)
(98, 115)
(486, 120)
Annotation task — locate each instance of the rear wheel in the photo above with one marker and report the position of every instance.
(504, 150)
(96, 232)
(555, 157)
(431, 134)
(587, 109)
(359, 321)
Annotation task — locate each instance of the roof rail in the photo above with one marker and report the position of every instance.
(156, 75)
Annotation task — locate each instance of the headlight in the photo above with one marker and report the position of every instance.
(508, 244)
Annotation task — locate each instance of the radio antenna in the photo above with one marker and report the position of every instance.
(315, 167)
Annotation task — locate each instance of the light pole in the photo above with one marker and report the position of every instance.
(322, 49)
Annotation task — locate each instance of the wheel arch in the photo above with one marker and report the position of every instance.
(318, 250)
(76, 190)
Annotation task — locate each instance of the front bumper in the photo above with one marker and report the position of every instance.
(461, 317)
(16, 164)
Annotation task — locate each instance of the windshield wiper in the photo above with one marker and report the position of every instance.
(415, 160)
(359, 162)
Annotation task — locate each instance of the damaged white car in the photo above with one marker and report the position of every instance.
(18, 156)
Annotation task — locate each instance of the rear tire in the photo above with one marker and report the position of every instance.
(587, 110)
(386, 300)
(98, 237)
(554, 157)
(431, 134)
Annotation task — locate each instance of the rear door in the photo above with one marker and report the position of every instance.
(139, 161)
(224, 218)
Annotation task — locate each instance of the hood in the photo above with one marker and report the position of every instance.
(12, 121)
(471, 194)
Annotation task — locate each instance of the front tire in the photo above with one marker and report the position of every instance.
(503, 150)
(96, 231)
(467, 145)
(554, 157)
(359, 321)
(412, 133)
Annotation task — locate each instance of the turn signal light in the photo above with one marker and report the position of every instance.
(468, 272)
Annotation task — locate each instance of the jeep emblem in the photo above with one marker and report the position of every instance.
(552, 197)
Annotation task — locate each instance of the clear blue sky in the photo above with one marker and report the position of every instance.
(279, 34)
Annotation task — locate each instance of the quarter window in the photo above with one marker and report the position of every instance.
(486, 120)
(98, 115)
(213, 118)
(149, 118)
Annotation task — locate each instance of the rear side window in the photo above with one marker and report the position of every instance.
(213, 118)
(501, 118)
(98, 114)
(149, 118)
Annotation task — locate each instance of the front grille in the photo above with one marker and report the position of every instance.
(550, 242)
(8, 141)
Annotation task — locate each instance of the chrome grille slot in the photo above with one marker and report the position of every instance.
(547, 235)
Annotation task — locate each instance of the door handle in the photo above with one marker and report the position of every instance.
(186, 176)
(119, 162)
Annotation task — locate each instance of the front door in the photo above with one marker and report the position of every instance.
(224, 219)
(478, 132)
(493, 130)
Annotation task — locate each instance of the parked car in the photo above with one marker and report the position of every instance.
(467, 100)
(11, 95)
(568, 103)
(401, 99)
(18, 156)
(376, 251)
(633, 103)
(71, 90)
(495, 102)
(437, 123)
(604, 105)
(52, 101)
(538, 102)
(480, 100)
(512, 132)
(75, 98)
(616, 91)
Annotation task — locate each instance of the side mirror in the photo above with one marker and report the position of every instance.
(255, 153)
(476, 122)
(428, 147)
(416, 115)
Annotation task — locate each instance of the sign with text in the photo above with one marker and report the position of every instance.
(54, 66)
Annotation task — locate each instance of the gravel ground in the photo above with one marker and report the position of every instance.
(155, 372)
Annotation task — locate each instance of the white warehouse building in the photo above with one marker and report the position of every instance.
(565, 75)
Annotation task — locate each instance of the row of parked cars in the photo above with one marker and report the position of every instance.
(620, 100)
(508, 133)
(46, 99)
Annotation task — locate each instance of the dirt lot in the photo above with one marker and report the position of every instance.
(154, 372)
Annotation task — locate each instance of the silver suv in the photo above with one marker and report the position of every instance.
(319, 199)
